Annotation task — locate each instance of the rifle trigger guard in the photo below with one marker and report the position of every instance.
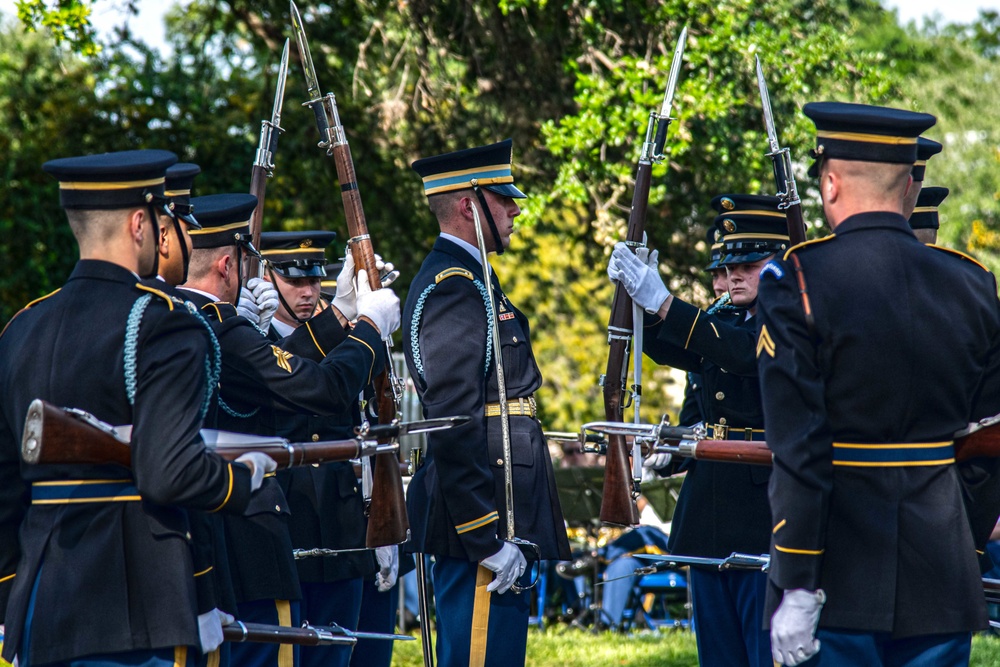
(627, 399)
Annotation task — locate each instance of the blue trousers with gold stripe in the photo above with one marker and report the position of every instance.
(840, 647)
(728, 610)
(271, 612)
(177, 656)
(378, 614)
(324, 603)
(476, 628)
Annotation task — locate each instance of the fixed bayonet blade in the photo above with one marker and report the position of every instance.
(395, 429)
(675, 71)
(312, 84)
(765, 101)
(279, 88)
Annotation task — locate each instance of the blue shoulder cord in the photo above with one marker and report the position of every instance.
(418, 310)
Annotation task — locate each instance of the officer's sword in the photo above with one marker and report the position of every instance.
(508, 481)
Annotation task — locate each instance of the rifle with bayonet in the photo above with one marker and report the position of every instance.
(980, 440)
(54, 435)
(621, 481)
(387, 520)
(781, 161)
(307, 635)
(263, 168)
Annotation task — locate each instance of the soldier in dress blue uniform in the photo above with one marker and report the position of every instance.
(456, 498)
(924, 220)
(129, 354)
(874, 349)
(926, 149)
(262, 383)
(722, 507)
(328, 506)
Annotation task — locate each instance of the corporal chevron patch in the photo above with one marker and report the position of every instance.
(765, 343)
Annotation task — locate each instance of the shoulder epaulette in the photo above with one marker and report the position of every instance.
(152, 290)
(960, 254)
(453, 271)
(828, 237)
(27, 306)
(220, 310)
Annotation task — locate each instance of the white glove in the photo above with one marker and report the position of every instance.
(260, 464)
(657, 461)
(210, 629)
(793, 626)
(248, 307)
(381, 307)
(509, 565)
(388, 567)
(346, 298)
(642, 282)
(265, 297)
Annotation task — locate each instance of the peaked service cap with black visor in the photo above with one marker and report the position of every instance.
(224, 220)
(846, 131)
(925, 214)
(296, 254)
(752, 228)
(111, 181)
(714, 239)
(926, 149)
(486, 167)
(116, 181)
(179, 181)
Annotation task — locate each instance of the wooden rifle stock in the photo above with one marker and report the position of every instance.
(983, 443)
(620, 487)
(617, 504)
(54, 436)
(387, 520)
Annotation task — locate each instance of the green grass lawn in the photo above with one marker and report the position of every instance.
(560, 646)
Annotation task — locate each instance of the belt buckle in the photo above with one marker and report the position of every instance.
(720, 431)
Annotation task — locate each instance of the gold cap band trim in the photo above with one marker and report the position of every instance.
(113, 185)
(867, 138)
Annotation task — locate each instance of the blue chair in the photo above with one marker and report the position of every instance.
(651, 600)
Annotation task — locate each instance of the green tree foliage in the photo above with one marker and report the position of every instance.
(572, 82)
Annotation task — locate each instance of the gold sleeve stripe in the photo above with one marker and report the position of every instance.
(315, 342)
(8, 577)
(477, 523)
(229, 492)
(371, 371)
(153, 290)
(691, 333)
(781, 524)
(204, 572)
(802, 552)
(711, 324)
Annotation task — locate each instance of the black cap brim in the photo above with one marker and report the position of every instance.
(744, 258)
(506, 190)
